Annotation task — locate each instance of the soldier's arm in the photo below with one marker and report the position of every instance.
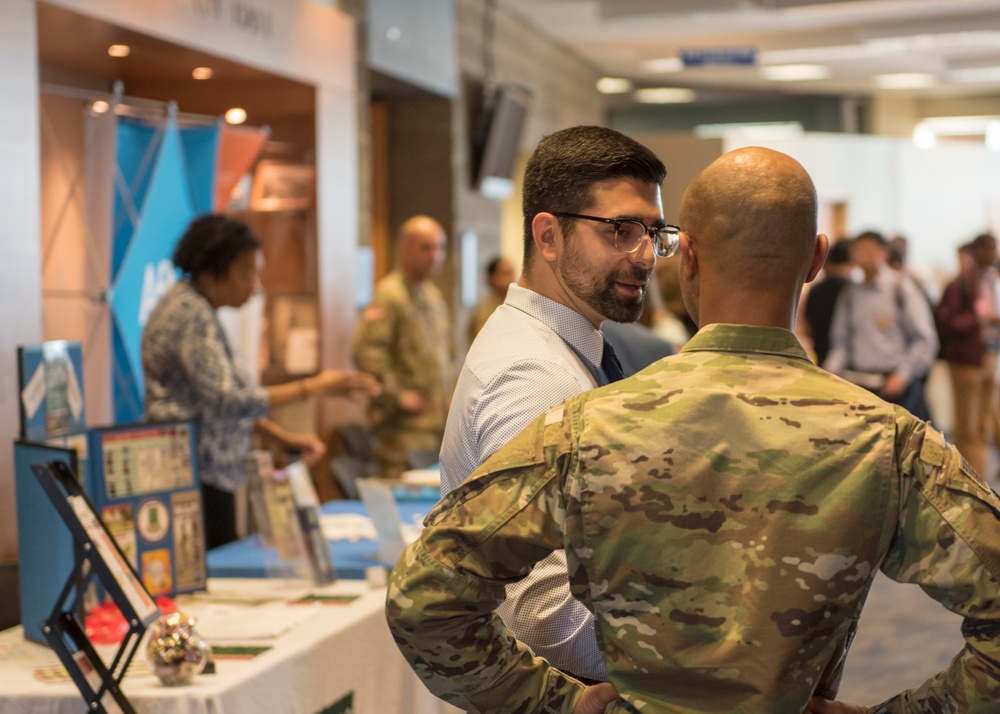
(374, 347)
(948, 542)
(442, 594)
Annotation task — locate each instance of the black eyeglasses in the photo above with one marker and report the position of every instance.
(630, 232)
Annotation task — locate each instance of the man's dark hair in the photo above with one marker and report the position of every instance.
(872, 235)
(562, 171)
(212, 243)
(982, 240)
(840, 252)
(491, 267)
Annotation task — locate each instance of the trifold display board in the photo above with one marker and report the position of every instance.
(143, 482)
(144, 485)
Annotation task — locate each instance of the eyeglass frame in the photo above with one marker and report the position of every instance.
(655, 234)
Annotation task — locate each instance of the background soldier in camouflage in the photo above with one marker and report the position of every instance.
(723, 511)
(404, 340)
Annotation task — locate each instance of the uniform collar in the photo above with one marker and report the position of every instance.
(721, 337)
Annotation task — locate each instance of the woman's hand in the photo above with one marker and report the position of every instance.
(344, 382)
(310, 447)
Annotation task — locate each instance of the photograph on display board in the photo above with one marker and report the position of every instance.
(51, 389)
(189, 543)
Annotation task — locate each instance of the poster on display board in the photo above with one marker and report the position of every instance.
(50, 385)
(144, 484)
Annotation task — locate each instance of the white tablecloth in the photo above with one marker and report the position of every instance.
(322, 654)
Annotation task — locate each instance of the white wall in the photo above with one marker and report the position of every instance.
(938, 198)
(20, 242)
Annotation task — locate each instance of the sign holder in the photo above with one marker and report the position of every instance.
(100, 557)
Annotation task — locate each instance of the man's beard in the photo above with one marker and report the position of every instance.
(599, 292)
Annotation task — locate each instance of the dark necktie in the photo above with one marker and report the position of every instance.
(610, 365)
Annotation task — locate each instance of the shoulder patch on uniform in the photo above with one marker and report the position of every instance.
(372, 312)
(934, 448)
(554, 415)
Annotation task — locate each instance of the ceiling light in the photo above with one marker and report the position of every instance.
(236, 115)
(664, 95)
(924, 136)
(795, 72)
(972, 75)
(665, 64)
(905, 80)
(99, 106)
(119, 51)
(614, 85)
(202, 73)
(959, 125)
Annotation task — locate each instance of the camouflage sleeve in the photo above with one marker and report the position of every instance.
(374, 346)
(948, 542)
(445, 587)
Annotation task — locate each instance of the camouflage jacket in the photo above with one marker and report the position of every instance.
(405, 341)
(723, 512)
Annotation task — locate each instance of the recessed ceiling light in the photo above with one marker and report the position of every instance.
(119, 51)
(795, 72)
(905, 80)
(236, 115)
(99, 107)
(202, 73)
(614, 85)
(664, 64)
(664, 95)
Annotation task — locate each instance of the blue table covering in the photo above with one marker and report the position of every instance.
(248, 558)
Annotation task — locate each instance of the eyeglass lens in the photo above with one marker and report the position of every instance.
(631, 233)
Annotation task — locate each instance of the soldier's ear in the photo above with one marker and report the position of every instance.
(689, 257)
(819, 256)
(547, 234)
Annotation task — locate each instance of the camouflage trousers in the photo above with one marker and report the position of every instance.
(401, 449)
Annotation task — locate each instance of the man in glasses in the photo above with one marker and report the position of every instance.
(593, 226)
(723, 512)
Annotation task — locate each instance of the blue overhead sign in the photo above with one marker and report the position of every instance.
(719, 57)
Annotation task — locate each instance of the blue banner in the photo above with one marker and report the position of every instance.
(165, 180)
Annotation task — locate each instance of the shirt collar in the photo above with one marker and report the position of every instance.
(721, 337)
(576, 330)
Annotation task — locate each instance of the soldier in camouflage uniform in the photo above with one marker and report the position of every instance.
(404, 340)
(723, 512)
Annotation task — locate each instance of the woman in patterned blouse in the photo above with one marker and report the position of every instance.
(192, 373)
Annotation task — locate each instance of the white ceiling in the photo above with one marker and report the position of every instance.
(954, 45)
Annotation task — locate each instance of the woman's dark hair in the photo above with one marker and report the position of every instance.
(212, 243)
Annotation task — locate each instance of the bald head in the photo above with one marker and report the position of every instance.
(748, 239)
(753, 212)
(421, 248)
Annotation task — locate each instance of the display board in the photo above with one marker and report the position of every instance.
(50, 384)
(144, 484)
(45, 545)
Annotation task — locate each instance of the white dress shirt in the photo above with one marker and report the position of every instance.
(532, 354)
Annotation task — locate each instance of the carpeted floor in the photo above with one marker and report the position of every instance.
(904, 637)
